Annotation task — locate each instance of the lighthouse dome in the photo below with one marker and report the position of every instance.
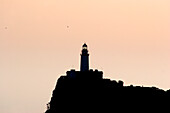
(84, 45)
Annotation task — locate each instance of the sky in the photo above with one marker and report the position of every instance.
(41, 39)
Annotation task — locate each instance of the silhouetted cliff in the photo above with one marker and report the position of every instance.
(87, 91)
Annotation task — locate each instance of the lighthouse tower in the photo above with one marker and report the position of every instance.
(84, 63)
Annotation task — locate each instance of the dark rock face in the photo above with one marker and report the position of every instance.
(89, 92)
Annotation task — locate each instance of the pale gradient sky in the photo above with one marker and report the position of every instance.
(128, 39)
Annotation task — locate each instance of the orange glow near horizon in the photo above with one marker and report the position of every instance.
(40, 40)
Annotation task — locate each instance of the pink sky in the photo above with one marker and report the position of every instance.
(128, 39)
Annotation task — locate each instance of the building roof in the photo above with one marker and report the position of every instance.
(84, 45)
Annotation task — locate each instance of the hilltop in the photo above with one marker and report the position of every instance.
(88, 91)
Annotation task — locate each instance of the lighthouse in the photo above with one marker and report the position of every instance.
(84, 63)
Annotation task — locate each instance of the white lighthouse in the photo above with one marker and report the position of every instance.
(84, 63)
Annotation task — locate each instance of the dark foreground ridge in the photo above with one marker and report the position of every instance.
(80, 91)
